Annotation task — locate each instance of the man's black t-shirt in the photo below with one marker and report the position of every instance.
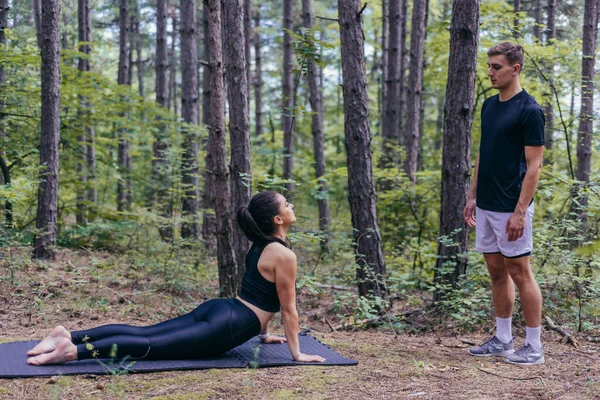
(506, 128)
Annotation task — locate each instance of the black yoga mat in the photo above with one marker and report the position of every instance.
(13, 360)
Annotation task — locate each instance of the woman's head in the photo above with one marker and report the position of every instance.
(261, 218)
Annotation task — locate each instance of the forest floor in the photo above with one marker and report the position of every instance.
(70, 291)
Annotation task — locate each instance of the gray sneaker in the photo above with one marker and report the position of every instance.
(493, 347)
(527, 355)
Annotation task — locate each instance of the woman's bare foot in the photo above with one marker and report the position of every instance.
(49, 344)
(64, 351)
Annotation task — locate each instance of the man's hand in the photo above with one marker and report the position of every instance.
(469, 211)
(515, 226)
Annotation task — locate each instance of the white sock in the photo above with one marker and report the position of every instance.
(504, 329)
(532, 337)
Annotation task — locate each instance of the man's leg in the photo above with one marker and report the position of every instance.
(529, 291)
(503, 289)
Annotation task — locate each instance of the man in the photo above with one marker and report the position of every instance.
(507, 171)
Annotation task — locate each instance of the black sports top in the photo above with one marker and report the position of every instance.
(256, 289)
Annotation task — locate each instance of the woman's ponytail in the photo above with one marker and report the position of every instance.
(256, 219)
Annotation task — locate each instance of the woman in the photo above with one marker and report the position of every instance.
(217, 325)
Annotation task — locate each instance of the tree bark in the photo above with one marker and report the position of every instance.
(258, 82)
(414, 87)
(288, 98)
(318, 135)
(122, 79)
(586, 117)
(239, 127)
(451, 263)
(361, 190)
(392, 77)
(224, 217)
(47, 209)
(189, 112)
(384, 75)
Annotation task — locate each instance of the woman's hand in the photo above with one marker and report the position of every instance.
(274, 339)
(309, 358)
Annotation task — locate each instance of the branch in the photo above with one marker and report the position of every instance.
(328, 19)
(566, 335)
(513, 378)
(363, 322)
(17, 115)
(362, 9)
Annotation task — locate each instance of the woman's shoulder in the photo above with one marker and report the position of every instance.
(279, 252)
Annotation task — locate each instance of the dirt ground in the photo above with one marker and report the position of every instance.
(35, 297)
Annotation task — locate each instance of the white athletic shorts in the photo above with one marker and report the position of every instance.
(491, 236)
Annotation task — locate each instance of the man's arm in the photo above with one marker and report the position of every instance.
(472, 201)
(515, 226)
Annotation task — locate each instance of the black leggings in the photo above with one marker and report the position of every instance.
(214, 327)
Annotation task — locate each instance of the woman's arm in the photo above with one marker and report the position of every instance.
(285, 281)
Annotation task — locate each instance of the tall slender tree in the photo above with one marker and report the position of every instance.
(586, 116)
(258, 82)
(189, 113)
(37, 18)
(393, 75)
(517, 19)
(47, 208)
(384, 61)
(172, 101)
(239, 126)
(4, 169)
(87, 160)
(287, 121)
(225, 252)
(137, 40)
(456, 153)
(122, 79)
(414, 86)
(317, 132)
(160, 148)
(537, 16)
(248, 38)
(361, 190)
(209, 200)
(548, 106)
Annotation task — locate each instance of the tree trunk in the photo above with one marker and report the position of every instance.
(586, 117)
(189, 112)
(5, 171)
(393, 75)
(317, 133)
(257, 75)
(137, 40)
(239, 128)
(47, 209)
(288, 98)
(384, 76)
(517, 21)
(451, 263)
(172, 102)
(37, 17)
(537, 16)
(549, 96)
(160, 165)
(224, 217)
(361, 190)
(123, 74)
(248, 43)
(209, 227)
(87, 160)
(414, 86)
